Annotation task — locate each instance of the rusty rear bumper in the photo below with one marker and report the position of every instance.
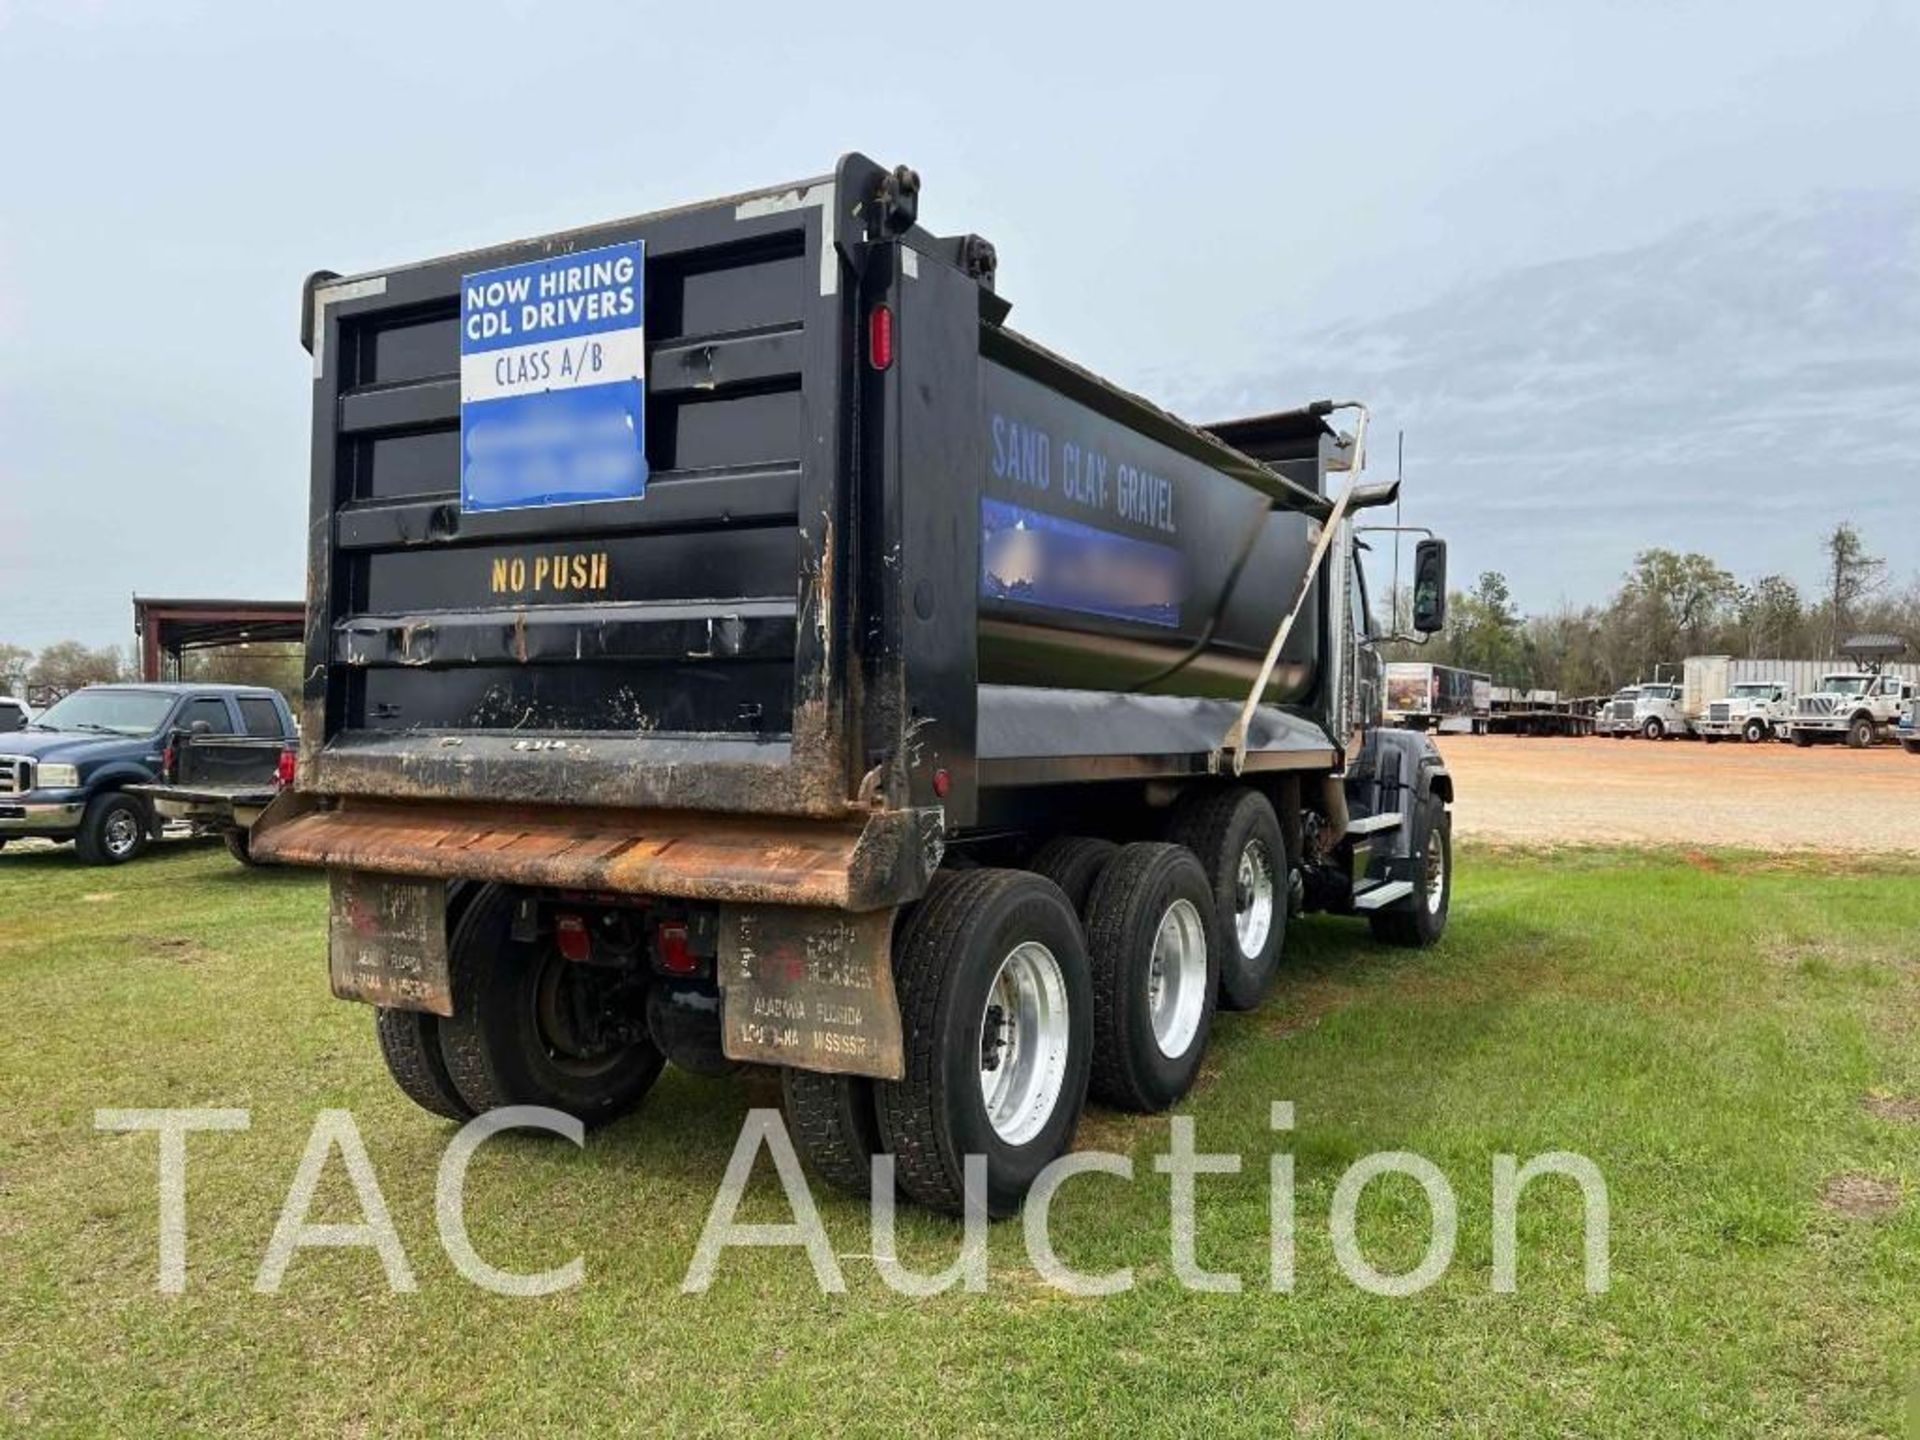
(867, 862)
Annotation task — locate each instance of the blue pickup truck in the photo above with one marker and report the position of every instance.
(71, 773)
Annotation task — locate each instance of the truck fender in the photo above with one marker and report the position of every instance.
(1398, 770)
(116, 775)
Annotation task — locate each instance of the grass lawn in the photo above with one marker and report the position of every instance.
(1728, 1038)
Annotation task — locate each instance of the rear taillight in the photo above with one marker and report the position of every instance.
(571, 935)
(880, 337)
(166, 761)
(675, 957)
(282, 768)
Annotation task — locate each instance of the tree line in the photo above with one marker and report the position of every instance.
(1668, 606)
(42, 677)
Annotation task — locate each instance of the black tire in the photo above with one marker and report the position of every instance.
(496, 1048)
(116, 828)
(1221, 828)
(1754, 732)
(1802, 739)
(1073, 862)
(1912, 747)
(947, 955)
(1423, 923)
(1860, 733)
(1136, 893)
(1654, 729)
(1711, 739)
(410, 1044)
(834, 1126)
(239, 848)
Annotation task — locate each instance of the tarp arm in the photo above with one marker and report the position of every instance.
(1234, 743)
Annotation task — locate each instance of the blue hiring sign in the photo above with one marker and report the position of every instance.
(553, 370)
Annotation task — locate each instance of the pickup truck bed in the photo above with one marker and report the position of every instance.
(219, 784)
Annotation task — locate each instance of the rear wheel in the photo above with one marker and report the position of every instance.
(834, 1125)
(1426, 918)
(114, 829)
(1802, 739)
(1236, 837)
(1073, 862)
(1154, 950)
(410, 1044)
(532, 1028)
(1860, 733)
(239, 847)
(996, 1014)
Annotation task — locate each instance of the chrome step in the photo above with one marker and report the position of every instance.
(1381, 893)
(1374, 824)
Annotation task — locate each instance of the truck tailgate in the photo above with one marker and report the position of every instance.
(848, 865)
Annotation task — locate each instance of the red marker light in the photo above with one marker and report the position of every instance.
(570, 934)
(880, 337)
(283, 769)
(675, 957)
(942, 782)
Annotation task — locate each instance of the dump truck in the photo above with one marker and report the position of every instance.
(731, 643)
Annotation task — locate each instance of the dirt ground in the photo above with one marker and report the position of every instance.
(1682, 792)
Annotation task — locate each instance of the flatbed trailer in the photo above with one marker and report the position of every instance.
(905, 707)
(1540, 712)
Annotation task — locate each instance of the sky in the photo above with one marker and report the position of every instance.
(1208, 202)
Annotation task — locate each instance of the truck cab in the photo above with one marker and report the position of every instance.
(1861, 707)
(1659, 711)
(1752, 710)
(1616, 715)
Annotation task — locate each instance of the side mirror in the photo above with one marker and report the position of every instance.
(1430, 586)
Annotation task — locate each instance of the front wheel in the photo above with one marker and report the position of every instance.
(996, 1009)
(1860, 734)
(1426, 920)
(1755, 732)
(113, 831)
(1654, 729)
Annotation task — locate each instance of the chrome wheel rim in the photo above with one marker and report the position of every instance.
(1177, 978)
(1436, 870)
(1253, 898)
(122, 832)
(1023, 1043)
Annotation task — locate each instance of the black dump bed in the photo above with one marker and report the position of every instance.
(889, 553)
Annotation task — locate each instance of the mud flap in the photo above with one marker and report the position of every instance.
(387, 941)
(810, 987)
